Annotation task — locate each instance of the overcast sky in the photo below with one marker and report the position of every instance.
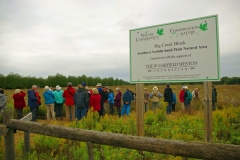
(91, 37)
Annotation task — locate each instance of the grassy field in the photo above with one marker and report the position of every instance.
(178, 126)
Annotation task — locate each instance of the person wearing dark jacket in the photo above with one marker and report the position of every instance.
(81, 102)
(3, 100)
(101, 92)
(214, 98)
(33, 102)
(19, 102)
(127, 98)
(118, 101)
(168, 97)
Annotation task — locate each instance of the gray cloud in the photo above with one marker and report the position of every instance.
(41, 38)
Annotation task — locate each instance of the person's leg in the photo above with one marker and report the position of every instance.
(111, 108)
(73, 110)
(123, 109)
(128, 106)
(78, 113)
(52, 111)
(60, 111)
(119, 111)
(56, 109)
(33, 110)
(18, 113)
(157, 105)
(173, 107)
(83, 112)
(182, 107)
(48, 111)
(154, 106)
(147, 106)
(106, 105)
(67, 113)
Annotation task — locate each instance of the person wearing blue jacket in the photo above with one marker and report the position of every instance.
(174, 102)
(33, 102)
(58, 102)
(49, 102)
(127, 98)
(111, 100)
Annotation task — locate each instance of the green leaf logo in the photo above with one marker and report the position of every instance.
(160, 32)
(203, 27)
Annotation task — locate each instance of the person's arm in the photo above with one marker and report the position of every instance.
(160, 95)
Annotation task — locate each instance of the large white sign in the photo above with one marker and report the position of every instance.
(184, 51)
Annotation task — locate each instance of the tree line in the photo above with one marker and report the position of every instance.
(14, 80)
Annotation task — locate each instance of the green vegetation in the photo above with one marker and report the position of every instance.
(14, 80)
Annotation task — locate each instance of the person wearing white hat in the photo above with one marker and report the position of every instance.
(187, 100)
(19, 102)
(49, 102)
(181, 98)
(155, 98)
(101, 92)
(58, 102)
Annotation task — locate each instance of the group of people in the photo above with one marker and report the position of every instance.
(185, 97)
(168, 95)
(78, 100)
(102, 99)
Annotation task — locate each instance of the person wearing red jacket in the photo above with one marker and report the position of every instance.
(181, 98)
(19, 102)
(68, 94)
(95, 100)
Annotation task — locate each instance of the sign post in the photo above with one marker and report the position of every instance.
(183, 51)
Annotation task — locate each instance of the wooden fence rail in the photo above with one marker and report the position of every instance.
(172, 147)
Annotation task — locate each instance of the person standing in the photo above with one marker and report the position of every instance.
(187, 100)
(181, 98)
(174, 102)
(95, 100)
(118, 101)
(3, 100)
(84, 85)
(111, 100)
(34, 102)
(106, 104)
(168, 94)
(69, 101)
(214, 98)
(19, 102)
(58, 102)
(127, 98)
(155, 98)
(101, 92)
(81, 102)
(49, 102)
(146, 99)
(195, 94)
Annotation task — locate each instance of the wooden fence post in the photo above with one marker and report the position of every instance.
(26, 143)
(208, 111)
(90, 151)
(9, 138)
(28, 117)
(140, 109)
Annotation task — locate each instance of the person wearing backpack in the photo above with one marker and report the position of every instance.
(187, 100)
(155, 98)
